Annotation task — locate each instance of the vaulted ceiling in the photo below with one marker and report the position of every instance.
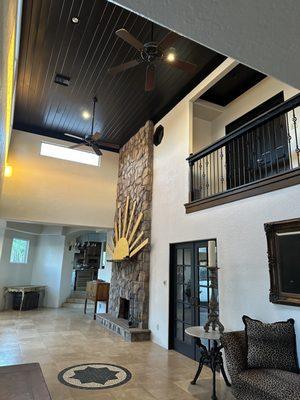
(51, 43)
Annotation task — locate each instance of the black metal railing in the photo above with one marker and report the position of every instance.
(266, 146)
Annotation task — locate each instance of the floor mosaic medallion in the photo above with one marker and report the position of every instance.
(94, 376)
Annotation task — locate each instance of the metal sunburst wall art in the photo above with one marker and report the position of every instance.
(127, 241)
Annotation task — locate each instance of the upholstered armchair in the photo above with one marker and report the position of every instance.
(255, 384)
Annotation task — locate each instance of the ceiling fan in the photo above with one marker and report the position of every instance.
(93, 139)
(151, 52)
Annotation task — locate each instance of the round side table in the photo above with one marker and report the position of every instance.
(209, 356)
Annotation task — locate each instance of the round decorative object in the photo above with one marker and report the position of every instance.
(94, 376)
(158, 135)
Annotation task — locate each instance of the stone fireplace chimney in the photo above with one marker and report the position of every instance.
(130, 279)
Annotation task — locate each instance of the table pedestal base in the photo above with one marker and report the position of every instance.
(212, 358)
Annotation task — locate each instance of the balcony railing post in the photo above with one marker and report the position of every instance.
(191, 181)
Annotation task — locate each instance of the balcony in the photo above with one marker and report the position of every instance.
(260, 156)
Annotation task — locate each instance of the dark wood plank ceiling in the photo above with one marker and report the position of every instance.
(234, 84)
(51, 44)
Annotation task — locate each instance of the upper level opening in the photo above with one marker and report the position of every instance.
(248, 143)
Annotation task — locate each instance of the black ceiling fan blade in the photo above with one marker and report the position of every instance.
(74, 136)
(185, 66)
(123, 67)
(130, 39)
(75, 146)
(104, 144)
(168, 40)
(150, 78)
(96, 149)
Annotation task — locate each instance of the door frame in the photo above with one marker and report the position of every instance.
(172, 285)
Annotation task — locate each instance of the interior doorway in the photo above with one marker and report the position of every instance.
(189, 291)
(87, 260)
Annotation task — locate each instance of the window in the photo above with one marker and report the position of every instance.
(104, 259)
(64, 153)
(19, 251)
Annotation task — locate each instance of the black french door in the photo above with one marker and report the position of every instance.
(189, 291)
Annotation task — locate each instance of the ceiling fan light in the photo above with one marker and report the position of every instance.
(171, 55)
(85, 114)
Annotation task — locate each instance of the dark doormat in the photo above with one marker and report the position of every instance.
(23, 382)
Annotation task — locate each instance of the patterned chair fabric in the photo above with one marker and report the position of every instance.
(256, 384)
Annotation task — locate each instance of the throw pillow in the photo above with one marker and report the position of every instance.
(271, 345)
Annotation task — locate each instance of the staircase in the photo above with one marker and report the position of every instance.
(76, 301)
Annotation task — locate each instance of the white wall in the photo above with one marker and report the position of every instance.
(105, 273)
(48, 190)
(15, 274)
(10, 26)
(238, 228)
(202, 133)
(48, 264)
(66, 284)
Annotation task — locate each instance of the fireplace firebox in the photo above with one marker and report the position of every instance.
(124, 308)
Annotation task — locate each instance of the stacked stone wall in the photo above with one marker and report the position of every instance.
(130, 279)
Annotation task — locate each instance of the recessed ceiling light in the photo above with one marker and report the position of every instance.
(85, 114)
(75, 20)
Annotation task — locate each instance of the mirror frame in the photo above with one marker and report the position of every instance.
(277, 295)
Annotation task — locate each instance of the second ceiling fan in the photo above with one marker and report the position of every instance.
(150, 52)
(92, 140)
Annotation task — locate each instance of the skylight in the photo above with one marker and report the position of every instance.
(64, 153)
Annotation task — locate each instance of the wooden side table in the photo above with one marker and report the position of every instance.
(211, 357)
(97, 291)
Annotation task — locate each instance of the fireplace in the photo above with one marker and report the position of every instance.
(130, 277)
(124, 308)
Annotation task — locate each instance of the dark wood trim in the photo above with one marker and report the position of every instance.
(261, 119)
(171, 295)
(277, 294)
(266, 185)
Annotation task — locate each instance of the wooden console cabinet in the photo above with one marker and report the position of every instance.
(97, 291)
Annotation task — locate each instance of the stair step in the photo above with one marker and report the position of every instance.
(75, 300)
(78, 294)
(77, 306)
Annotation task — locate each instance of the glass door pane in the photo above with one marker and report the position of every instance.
(205, 254)
(184, 294)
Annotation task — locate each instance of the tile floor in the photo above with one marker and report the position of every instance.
(59, 338)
